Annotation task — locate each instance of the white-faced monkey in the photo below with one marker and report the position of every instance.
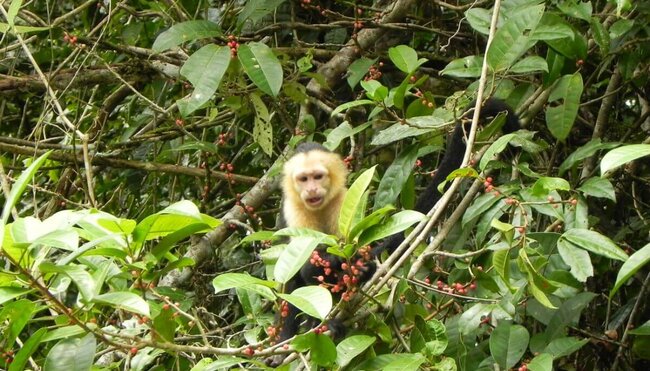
(313, 190)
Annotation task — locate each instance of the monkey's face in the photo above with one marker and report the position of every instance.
(313, 186)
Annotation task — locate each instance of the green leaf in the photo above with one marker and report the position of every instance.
(394, 224)
(374, 90)
(556, 30)
(601, 36)
(641, 330)
(397, 362)
(508, 344)
(396, 175)
(530, 64)
(371, 220)
(261, 66)
(583, 152)
(9, 292)
(205, 70)
(577, 10)
(495, 148)
(480, 205)
(469, 66)
(14, 317)
(562, 347)
(598, 187)
(479, 19)
(125, 300)
(511, 40)
(6, 28)
(341, 132)
(405, 58)
(566, 95)
(567, 314)
(594, 242)
(316, 301)
(501, 263)
(353, 199)
(428, 337)
(63, 333)
(293, 257)
(623, 155)
(77, 274)
(545, 185)
(170, 241)
(185, 31)
(26, 350)
(577, 259)
(18, 188)
(14, 7)
(351, 347)
(262, 130)
(632, 265)
(541, 362)
(74, 354)
(348, 105)
(255, 10)
(358, 69)
(244, 281)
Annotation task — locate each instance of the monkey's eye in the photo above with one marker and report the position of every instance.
(318, 176)
(302, 179)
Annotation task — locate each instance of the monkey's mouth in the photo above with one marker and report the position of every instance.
(315, 201)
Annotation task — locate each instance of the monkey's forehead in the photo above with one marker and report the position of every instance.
(309, 163)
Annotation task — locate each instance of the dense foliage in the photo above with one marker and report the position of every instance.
(141, 142)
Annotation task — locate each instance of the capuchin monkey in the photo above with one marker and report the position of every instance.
(313, 187)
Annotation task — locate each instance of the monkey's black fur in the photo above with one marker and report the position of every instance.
(451, 160)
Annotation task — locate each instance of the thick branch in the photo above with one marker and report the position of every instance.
(67, 156)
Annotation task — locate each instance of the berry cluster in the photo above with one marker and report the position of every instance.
(424, 101)
(373, 72)
(233, 45)
(179, 122)
(223, 138)
(454, 288)
(348, 161)
(72, 40)
(228, 168)
(489, 187)
(345, 280)
(7, 356)
(320, 330)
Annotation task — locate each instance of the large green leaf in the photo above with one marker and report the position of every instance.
(72, 354)
(469, 66)
(351, 347)
(562, 347)
(583, 152)
(511, 40)
(567, 314)
(185, 31)
(261, 66)
(204, 69)
(14, 316)
(245, 281)
(508, 344)
(594, 242)
(396, 175)
(255, 10)
(638, 260)
(294, 255)
(394, 224)
(598, 187)
(353, 199)
(577, 259)
(77, 274)
(623, 155)
(358, 69)
(566, 94)
(125, 300)
(10, 292)
(18, 189)
(530, 64)
(405, 58)
(495, 148)
(313, 300)
(27, 349)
